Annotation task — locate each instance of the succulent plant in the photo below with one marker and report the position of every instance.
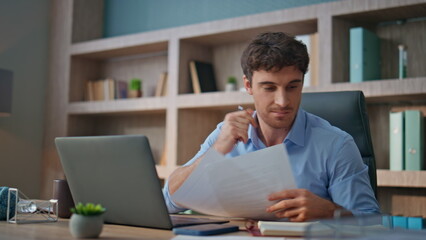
(89, 209)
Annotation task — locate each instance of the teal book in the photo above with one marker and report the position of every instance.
(417, 223)
(396, 141)
(414, 139)
(399, 222)
(364, 54)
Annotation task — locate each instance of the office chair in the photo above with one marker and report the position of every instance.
(346, 110)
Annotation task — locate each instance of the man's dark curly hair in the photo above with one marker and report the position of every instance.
(271, 51)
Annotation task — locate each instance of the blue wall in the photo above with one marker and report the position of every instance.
(132, 16)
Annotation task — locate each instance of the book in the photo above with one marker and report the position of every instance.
(202, 77)
(98, 90)
(161, 89)
(417, 223)
(364, 51)
(120, 89)
(272, 228)
(89, 91)
(399, 222)
(396, 141)
(414, 139)
(109, 89)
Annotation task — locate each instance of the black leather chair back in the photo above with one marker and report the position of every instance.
(347, 111)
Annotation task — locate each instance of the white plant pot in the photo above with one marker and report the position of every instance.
(86, 226)
(230, 87)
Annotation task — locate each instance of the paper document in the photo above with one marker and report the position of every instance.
(237, 187)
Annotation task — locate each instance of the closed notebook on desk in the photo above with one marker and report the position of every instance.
(273, 228)
(119, 173)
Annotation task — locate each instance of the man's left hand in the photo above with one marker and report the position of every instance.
(299, 205)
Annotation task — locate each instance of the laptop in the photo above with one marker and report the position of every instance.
(119, 173)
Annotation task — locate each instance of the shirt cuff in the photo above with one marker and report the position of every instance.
(171, 206)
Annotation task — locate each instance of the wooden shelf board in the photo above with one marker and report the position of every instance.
(411, 179)
(146, 105)
(393, 12)
(374, 91)
(381, 90)
(214, 100)
(155, 41)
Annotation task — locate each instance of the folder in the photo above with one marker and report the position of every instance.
(416, 223)
(364, 52)
(396, 141)
(399, 222)
(414, 138)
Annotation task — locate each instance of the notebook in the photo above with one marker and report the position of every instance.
(119, 173)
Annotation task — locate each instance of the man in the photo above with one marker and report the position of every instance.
(326, 162)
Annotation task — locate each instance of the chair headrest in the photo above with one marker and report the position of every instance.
(345, 110)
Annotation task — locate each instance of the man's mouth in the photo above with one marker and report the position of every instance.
(281, 113)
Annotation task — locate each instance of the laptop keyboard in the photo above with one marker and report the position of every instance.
(180, 221)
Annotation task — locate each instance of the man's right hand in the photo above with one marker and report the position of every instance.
(234, 129)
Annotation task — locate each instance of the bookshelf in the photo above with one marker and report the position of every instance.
(178, 123)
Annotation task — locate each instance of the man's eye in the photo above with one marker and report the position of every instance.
(269, 88)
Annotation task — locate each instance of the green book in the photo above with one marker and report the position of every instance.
(414, 138)
(364, 50)
(396, 141)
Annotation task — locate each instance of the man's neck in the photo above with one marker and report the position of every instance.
(271, 136)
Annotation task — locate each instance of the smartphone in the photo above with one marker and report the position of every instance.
(205, 229)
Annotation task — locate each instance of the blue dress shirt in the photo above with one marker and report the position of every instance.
(324, 159)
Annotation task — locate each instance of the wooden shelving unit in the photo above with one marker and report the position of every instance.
(407, 179)
(178, 123)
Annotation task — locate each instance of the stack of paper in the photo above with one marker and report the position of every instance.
(237, 187)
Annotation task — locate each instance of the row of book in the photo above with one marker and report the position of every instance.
(111, 89)
(406, 145)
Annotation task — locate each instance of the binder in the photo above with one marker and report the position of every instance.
(417, 223)
(414, 138)
(399, 222)
(396, 141)
(364, 55)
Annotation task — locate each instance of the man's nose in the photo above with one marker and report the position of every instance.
(281, 98)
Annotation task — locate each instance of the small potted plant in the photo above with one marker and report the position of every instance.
(87, 220)
(231, 85)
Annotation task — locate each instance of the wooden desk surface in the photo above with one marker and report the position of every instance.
(59, 230)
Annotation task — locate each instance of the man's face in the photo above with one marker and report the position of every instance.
(276, 95)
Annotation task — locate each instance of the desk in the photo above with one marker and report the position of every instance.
(59, 230)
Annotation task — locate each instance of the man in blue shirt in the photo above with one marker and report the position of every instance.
(325, 161)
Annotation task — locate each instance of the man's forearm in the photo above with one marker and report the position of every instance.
(178, 177)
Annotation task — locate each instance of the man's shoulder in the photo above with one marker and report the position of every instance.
(321, 127)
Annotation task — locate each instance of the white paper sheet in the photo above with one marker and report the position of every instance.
(237, 187)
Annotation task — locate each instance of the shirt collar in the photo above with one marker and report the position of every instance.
(252, 135)
(296, 134)
(297, 131)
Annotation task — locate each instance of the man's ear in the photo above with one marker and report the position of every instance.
(247, 85)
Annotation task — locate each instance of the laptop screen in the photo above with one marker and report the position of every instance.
(117, 172)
